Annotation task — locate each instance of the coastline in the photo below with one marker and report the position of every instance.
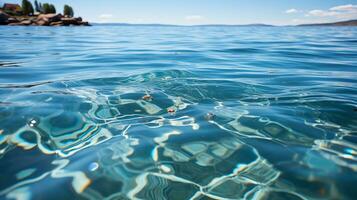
(41, 20)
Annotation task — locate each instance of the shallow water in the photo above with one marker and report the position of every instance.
(235, 113)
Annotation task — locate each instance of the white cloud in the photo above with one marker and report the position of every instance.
(338, 12)
(292, 10)
(321, 13)
(348, 7)
(105, 16)
(194, 18)
(333, 14)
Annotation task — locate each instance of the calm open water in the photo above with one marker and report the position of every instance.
(227, 113)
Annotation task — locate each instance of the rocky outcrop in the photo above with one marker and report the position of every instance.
(85, 24)
(59, 23)
(73, 21)
(4, 18)
(49, 17)
(41, 20)
(70, 21)
(26, 22)
(42, 23)
(12, 20)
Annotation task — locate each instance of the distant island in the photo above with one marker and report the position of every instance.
(39, 15)
(173, 25)
(342, 23)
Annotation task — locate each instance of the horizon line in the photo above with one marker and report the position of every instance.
(163, 24)
(188, 25)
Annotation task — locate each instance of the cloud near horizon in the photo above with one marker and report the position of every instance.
(292, 10)
(348, 11)
(348, 7)
(336, 13)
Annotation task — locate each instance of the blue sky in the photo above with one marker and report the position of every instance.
(190, 12)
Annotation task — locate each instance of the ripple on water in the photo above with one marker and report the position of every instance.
(185, 113)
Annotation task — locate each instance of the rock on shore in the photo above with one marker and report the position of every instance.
(41, 20)
(3, 18)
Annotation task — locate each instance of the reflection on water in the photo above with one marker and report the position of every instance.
(178, 113)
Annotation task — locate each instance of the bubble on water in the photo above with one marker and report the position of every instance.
(209, 116)
(33, 123)
(93, 166)
(165, 168)
(195, 126)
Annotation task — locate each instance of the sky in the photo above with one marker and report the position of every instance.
(193, 12)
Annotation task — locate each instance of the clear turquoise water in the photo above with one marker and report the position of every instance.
(259, 112)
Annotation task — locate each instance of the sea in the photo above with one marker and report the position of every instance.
(178, 112)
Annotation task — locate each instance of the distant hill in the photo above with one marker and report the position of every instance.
(204, 25)
(129, 24)
(343, 23)
(236, 25)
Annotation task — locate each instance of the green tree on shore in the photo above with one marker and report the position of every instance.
(37, 6)
(40, 8)
(52, 8)
(68, 11)
(27, 7)
(48, 8)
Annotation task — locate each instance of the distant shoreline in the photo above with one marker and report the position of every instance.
(174, 25)
(60, 20)
(342, 23)
(41, 20)
(12, 14)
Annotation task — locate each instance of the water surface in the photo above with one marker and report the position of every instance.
(229, 112)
